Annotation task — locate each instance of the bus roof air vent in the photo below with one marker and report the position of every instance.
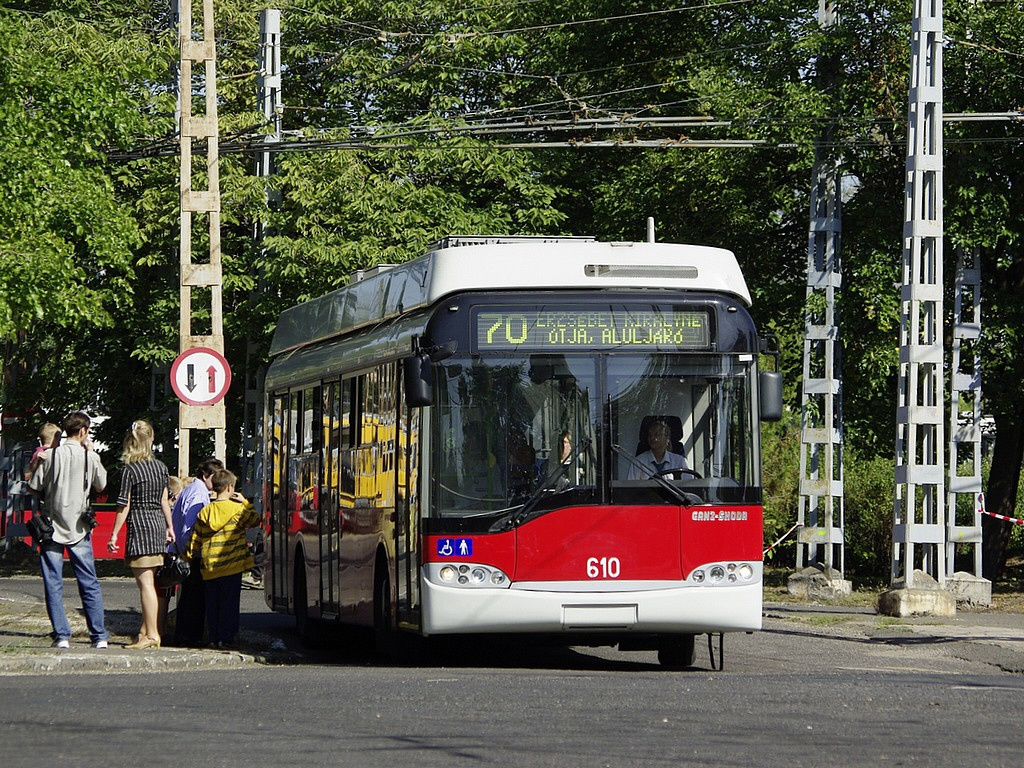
(641, 270)
(363, 274)
(455, 241)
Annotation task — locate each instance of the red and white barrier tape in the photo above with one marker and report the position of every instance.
(1014, 520)
(782, 539)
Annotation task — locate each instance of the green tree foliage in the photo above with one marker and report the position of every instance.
(780, 453)
(68, 91)
(984, 176)
(430, 106)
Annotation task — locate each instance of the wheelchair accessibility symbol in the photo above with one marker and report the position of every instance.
(455, 547)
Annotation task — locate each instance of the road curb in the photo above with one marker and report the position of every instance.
(32, 661)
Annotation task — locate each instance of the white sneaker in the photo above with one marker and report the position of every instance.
(61, 644)
(100, 645)
(250, 582)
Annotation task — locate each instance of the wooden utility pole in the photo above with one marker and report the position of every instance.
(199, 278)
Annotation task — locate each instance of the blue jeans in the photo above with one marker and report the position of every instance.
(51, 562)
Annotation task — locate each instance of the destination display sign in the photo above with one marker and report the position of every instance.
(565, 329)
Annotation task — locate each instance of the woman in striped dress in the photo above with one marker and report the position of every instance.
(144, 503)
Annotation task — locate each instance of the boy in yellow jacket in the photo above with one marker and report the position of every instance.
(218, 537)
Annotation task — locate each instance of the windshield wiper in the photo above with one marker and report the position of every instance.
(544, 489)
(680, 495)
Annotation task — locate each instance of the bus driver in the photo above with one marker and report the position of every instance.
(658, 458)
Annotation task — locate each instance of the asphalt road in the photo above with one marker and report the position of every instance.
(573, 714)
(818, 687)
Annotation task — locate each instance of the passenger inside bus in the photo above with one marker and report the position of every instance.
(659, 449)
(565, 446)
(480, 476)
(572, 466)
(523, 470)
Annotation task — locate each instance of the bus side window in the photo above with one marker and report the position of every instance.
(349, 421)
(308, 420)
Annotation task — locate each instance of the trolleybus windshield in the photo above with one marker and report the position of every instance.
(550, 430)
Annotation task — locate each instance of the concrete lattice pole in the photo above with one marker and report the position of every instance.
(919, 520)
(965, 437)
(820, 537)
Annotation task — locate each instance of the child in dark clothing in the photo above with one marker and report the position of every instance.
(219, 539)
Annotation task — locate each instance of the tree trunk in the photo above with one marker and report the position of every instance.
(1001, 497)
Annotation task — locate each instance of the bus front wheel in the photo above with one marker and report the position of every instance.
(677, 651)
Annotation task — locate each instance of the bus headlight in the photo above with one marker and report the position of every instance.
(466, 575)
(725, 574)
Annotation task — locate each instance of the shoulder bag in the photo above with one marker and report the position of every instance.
(172, 572)
(40, 528)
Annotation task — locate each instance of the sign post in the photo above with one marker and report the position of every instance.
(201, 407)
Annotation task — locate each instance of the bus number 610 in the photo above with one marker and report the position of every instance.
(603, 568)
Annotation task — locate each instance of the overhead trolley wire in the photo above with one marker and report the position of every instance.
(371, 138)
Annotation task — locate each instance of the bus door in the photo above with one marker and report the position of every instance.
(280, 432)
(407, 555)
(361, 511)
(330, 512)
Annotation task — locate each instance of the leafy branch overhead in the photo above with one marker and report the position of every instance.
(408, 121)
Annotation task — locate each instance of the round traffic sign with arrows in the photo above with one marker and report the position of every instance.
(200, 376)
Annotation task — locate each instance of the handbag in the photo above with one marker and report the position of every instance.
(172, 572)
(40, 528)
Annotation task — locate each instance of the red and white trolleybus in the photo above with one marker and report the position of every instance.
(459, 445)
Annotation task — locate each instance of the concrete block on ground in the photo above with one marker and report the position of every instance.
(817, 583)
(969, 589)
(925, 598)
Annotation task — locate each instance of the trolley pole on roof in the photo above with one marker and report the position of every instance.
(820, 537)
(919, 514)
(204, 279)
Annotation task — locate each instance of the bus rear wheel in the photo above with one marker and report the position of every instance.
(677, 651)
(383, 629)
(303, 626)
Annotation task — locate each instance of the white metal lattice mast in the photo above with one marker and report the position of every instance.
(965, 416)
(820, 514)
(919, 526)
(200, 277)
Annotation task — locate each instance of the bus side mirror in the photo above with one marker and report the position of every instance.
(770, 395)
(418, 391)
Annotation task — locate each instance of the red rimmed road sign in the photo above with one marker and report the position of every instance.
(200, 376)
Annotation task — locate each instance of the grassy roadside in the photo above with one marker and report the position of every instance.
(1007, 596)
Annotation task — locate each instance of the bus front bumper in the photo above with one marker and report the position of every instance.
(520, 609)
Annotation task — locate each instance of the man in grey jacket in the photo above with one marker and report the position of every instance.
(63, 480)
